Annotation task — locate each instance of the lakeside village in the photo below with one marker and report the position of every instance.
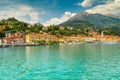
(32, 39)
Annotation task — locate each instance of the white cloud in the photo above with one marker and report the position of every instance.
(21, 12)
(7, 1)
(111, 7)
(63, 18)
(86, 3)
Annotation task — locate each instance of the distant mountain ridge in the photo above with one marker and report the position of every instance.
(97, 20)
(113, 16)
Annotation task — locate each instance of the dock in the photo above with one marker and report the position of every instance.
(25, 44)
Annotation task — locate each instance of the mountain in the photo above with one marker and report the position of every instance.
(13, 25)
(76, 23)
(86, 19)
(112, 15)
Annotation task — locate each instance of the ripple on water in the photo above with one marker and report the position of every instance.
(57, 62)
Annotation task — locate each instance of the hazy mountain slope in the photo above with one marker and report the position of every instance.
(97, 20)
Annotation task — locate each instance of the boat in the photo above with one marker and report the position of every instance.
(110, 42)
(3, 46)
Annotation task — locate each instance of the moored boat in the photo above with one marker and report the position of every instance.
(110, 42)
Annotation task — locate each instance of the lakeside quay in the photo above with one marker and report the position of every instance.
(68, 43)
(24, 44)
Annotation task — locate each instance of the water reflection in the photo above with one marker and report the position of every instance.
(27, 49)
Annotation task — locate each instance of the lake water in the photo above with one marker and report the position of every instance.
(61, 62)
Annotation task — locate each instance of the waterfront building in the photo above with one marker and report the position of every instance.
(33, 37)
(110, 38)
(14, 38)
(90, 39)
(72, 38)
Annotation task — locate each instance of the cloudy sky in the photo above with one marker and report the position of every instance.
(54, 11)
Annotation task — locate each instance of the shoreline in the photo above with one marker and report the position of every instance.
(8, 45)
(69, 43)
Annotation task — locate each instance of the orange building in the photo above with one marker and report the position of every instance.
(14, 38)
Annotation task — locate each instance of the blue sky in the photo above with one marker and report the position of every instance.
(54, 11)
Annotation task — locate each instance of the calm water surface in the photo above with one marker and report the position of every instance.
(61, 62)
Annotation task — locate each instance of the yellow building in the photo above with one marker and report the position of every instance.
(37, 37)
